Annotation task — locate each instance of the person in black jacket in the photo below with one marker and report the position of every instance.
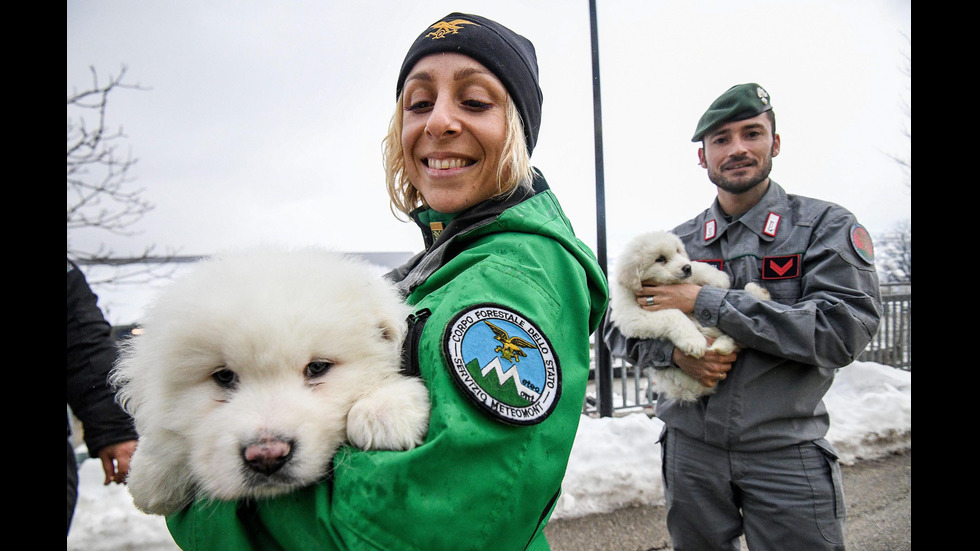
(109, 431)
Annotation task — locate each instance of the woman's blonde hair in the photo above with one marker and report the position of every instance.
(513, 172)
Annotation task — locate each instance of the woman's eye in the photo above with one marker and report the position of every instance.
(225, 378)
(317, 368)
(477, 104)
(419, 106)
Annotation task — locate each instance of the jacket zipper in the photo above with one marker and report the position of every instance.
(410, 348)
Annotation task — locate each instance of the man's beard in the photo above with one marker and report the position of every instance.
(744, 183)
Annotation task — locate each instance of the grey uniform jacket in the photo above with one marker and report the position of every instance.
(816, 261)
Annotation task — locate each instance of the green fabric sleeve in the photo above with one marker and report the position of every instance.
(477, 482)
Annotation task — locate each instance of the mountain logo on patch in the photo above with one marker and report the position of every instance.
(503, 363)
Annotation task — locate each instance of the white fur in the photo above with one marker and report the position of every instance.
(265, 315)
(660, 257)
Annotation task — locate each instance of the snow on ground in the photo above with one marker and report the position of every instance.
(615, 462)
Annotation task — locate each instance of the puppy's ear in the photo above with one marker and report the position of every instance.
(392, 330)
(628, 271)
(631, 278)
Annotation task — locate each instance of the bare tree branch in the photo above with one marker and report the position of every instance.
(906, 161)
(101, 191)
(895, 257)
(99, 195)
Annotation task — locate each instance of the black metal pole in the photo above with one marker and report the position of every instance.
(602, 359)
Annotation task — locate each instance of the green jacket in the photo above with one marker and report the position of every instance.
(505, 285)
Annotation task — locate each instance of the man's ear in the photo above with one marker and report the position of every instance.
(701, 161)
(775, 145)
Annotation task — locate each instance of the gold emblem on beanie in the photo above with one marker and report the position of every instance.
(763, 95)
(443, 28)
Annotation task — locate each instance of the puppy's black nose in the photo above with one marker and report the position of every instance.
(687, 270)
(267, 455)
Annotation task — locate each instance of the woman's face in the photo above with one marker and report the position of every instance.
(453, 131)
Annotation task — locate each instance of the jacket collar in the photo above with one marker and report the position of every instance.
(421, 266)
(770, 210)
(477, 215)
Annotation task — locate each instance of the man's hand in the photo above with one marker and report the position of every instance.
(115, 461)
(707, 370)
(653, 298)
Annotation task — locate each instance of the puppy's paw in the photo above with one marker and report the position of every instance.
(395, 416)
(724, 345)
(694, 345)
(758, 291)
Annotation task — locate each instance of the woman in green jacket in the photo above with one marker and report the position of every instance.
(505, 299)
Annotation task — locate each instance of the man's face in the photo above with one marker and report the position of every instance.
(738, 155)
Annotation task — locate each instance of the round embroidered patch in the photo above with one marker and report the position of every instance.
(861, 242)
(504, 363)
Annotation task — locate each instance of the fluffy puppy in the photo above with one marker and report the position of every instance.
(660, 257)
(255, 368)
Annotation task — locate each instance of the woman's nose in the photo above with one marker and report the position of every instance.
(442, 120)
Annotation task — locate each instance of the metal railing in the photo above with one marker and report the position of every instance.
(892, 344)
(632, 387)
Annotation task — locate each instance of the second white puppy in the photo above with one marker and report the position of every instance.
(660, 257)
(255, 368)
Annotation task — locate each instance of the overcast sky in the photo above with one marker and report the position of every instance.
(261, 121)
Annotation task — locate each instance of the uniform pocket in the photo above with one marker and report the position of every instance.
(785, 291)
(823, 473)
(833, 461)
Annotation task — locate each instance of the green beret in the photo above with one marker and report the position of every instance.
(740, 102)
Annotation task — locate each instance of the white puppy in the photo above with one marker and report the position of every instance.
(255, 368)
(660, 257)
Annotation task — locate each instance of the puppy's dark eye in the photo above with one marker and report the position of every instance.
(661, 259)
(317, 368)
(225, 378)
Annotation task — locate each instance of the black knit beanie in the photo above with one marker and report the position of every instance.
(507, 54)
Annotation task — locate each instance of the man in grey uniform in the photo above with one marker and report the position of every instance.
(751, 458)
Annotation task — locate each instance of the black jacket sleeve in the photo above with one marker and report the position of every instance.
(91, 354)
